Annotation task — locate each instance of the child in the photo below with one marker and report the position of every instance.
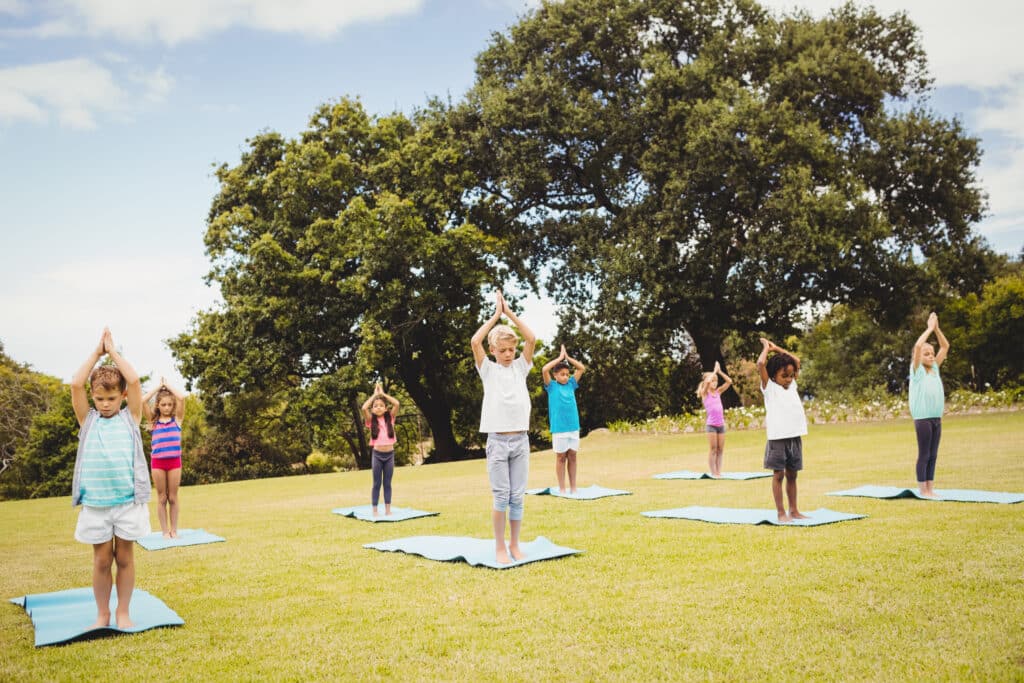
(927, 400)
(110, 480)
(563, 415)
(165, 419)
(380, 418)
(505, 417)
(785, 423)
(711, 394)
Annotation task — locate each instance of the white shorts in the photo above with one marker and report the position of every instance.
(565, 441)
(129, 522)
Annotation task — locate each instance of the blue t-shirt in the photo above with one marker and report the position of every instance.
(562, 412)
(927, 398)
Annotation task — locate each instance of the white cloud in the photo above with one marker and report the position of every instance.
(14, 7)
(176, 22)
(74, 91)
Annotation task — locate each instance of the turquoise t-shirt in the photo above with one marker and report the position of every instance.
(927, 397)
(562, 411)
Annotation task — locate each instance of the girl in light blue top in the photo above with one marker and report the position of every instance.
(927, 400)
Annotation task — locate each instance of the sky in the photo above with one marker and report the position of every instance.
(113, 114)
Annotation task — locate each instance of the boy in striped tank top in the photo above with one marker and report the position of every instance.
(164, 419)
(111, 481)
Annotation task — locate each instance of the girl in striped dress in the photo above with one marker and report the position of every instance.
(165, 417)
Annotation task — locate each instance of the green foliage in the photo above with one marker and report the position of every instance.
(23, 395)
(985, 334)
(45, 463)
(343, 256)
(683, 170)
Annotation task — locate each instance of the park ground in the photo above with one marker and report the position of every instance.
(916, 591)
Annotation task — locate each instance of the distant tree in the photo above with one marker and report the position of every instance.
(694, 168)
(46, 461)
(985, 334)
(343, 256)
(24, 394)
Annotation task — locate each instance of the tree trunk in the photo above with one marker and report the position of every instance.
(360, 449)
(428, 395)
(709, 349)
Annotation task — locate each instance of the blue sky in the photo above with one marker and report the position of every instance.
(113, 111)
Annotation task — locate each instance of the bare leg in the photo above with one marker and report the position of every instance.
(124, 551)
(777, 495)
(102, 581)
(513, 546)
(560, 459)
(720, 451)
(571, 466)
(173, 482)
(160, 481)
(712, 450)
(794, 512)
(498, 518)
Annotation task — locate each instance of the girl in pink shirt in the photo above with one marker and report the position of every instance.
(711, 394)
(380, 418)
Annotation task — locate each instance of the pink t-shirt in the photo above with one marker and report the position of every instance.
(382, 433)
(713, 405)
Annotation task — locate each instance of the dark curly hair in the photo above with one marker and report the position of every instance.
(778, 362)
(107, 377)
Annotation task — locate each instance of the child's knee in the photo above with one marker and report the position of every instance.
(501, 501)
(162, 498)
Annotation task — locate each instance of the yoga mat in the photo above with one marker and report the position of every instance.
(747, 516)
(474, 551)
(156, 540)
(365, 513)
(956, 495)
(687, 474)
(64, 616)
(588, 493)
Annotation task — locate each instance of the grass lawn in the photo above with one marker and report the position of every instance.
(917, 591)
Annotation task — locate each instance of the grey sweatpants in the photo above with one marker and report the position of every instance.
(508, 465)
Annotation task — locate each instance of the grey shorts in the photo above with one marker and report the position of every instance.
(784, 454)
(714, 429)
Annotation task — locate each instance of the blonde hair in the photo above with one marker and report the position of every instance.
(500, 332)
(705, 384)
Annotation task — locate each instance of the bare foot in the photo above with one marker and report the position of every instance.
(387, 510)
(167, 534)
(502, 555)
(517, 554)
(174, 533)
(101, 622)
(374, 512)
(795, 514)
(783, 517)
(124, 621)
(574, 491)
(929, 495)
(563, 490)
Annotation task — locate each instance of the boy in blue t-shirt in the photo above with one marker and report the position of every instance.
(111, 479)
(563, 414)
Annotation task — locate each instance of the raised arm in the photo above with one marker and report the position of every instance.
(933, 323)
(580, 367)
(79, 397)
(529, 338)
(133, 387)
(762, 361)
(477, 342)
(147, 410)
(943, 344)
(395, 405)
(377, 391)
(728, 381)
(179, 401)
(545, 372)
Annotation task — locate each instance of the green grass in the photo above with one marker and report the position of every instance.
(917, 591)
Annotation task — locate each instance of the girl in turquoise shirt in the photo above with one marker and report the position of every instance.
(927, 400)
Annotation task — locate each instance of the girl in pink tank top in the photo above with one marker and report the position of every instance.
(380, 418)
(710, 393)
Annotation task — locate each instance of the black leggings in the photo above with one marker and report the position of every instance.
(383, 469)
(929, 431)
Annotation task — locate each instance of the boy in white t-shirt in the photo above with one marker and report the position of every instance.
(785, 423)
(505, 418)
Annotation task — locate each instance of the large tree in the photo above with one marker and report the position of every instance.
(342, 256)
(687, 168)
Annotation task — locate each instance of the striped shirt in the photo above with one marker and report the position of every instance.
(108, 474)
(166, 439)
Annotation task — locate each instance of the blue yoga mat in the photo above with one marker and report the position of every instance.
(156, 540)
(65, 616)
(365, 513)
(687, 474)
(747, 516)
(588, 493)
(956, 495)
(478, 552)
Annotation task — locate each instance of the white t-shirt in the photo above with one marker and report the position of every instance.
(506, 405)
(784, 412)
